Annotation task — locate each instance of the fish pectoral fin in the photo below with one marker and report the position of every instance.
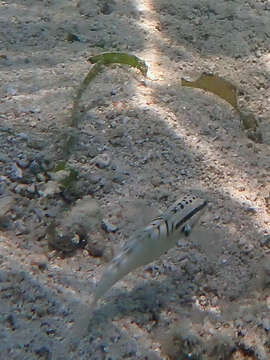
(186, 230)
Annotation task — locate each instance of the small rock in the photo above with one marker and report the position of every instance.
(183, 172)
(4, 223)
(66, 241)
(72, 37)
(106, 185)
(248, 318)
(162, 194)
(40, 177)
(4, 158)
(265, 241)
(156, 181)
(268, 302)
(6, 203)
(86, 212)
(152, 356)
(34, 167)
(247, 248)
(103, 160)
(21, 189)
(239, 323)
(39, 261)
(117, 141)
(43, 353)
(107, 8)
(116, 132)
(241, 188)
(4, 189)
(60, 175)
(22, 136)
(108, 227)
(3, 56)
(48, 189)
(118, 178)
(11, 322)
(94, 178)
(21, 229)
(11, 91)
(92, 150)
(266, 324)
(23, 162)
(251, 210)
(95, 250)
(131, 349)
(14, 172)
(36, 144)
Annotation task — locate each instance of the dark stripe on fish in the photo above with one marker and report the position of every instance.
(167, 227)
(192, 213)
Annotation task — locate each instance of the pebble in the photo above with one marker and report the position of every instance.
(40, 177)
(266, 324)
(21, 229)
(11, 321)
(251, 210)
(43, 353)
(36, 144)
(268, 302)
(39, 261)
(94, 178)
(247, 248)
(108, 227)
(106, 185)
(22, 136)
(131, 349)
(117, 141)
(119, 178)
(152, 356)
(156, 181)
(34, 167)
(25, 190)
(6, 203)
(48, 189)
(14, 172)
(23, 161)
(103, 160)
(183, 172)
(94, 250)
(4, 158)
(4, 223)
(92, 151)
(265, 241)
(239, 323)
(11, 91)
(248, 318)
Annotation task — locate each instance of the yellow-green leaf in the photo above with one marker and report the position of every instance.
(216, 85)
(120, 58)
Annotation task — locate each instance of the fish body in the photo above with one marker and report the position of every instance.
(151, 242)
